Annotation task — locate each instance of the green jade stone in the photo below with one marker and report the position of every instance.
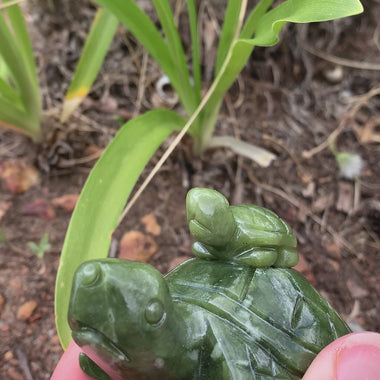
(236, 311)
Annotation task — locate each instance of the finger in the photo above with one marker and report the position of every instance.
(68, 366)
(352, 357)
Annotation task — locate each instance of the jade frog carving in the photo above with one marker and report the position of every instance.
(230, 313)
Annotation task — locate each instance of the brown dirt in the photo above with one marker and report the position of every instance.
(282, 102)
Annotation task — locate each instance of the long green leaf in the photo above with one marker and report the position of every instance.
(25, 46)
(95, 49)
(195, 49)
(13, 115)
(21, 73)
(177, 54)
(103, 197)
(267, 34)
(142, 27)
(230, 25)
(8, 92)
(250, 25)
(302, 11)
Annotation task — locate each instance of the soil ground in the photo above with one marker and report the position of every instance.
(289, 99)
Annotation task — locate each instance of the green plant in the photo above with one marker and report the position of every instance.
(20, 102)
(238, 38)
(41, 248)
(113, 177)
(99, 38)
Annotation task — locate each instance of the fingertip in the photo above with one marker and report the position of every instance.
(68, 366)
(353, 356)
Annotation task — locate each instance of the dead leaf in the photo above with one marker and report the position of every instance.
(333, 250)
(13, 374)
(66, 202)
(151, 225)
(17, 176)
(2, 301)
(4, 207)
(345, 201)
(137, 246)
(309, 191)
(26, 310)
(304, 268)
(40, 208)
(333, 264)
(368, 134)
(93, 150)
(323, 202)
(209, 37)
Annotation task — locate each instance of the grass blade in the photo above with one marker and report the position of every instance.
(186, 92)
(10, 3)
(195, 49)
(95, 49)
(25, 46)
(8, 92)
(13, 116)
(103, 197)
(230, 26)
(19, 65)
(142, 27)
(250, 25)
(301, 11)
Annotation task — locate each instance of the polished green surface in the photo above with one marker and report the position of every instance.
(245, 234)
(219, 318)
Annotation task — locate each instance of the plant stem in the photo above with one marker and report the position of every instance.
(211, 111)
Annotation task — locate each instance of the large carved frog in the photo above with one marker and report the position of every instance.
(218, 316)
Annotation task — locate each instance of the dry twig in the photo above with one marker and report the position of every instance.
(295, 202)
(341, 61)
(360, 101)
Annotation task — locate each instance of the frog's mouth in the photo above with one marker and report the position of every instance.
(99, 347)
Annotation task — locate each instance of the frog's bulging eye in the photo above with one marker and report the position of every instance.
(155, 312)
(91, 274)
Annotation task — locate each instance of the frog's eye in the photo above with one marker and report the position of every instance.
(155, 312)
(91, 273)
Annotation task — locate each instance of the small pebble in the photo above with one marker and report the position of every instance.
(334, 75)
(8, 355)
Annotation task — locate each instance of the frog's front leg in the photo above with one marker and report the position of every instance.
(287, 258)
(91, 369)
(203, 251)
(257, 257)
(262, 257)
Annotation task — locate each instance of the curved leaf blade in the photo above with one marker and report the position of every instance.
(230, 25)
(103, 197)
(95, 49)
(185, 92)
(301, 11)
(267, 34)
(16, 54)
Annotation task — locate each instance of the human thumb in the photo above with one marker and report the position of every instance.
(354, 356)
